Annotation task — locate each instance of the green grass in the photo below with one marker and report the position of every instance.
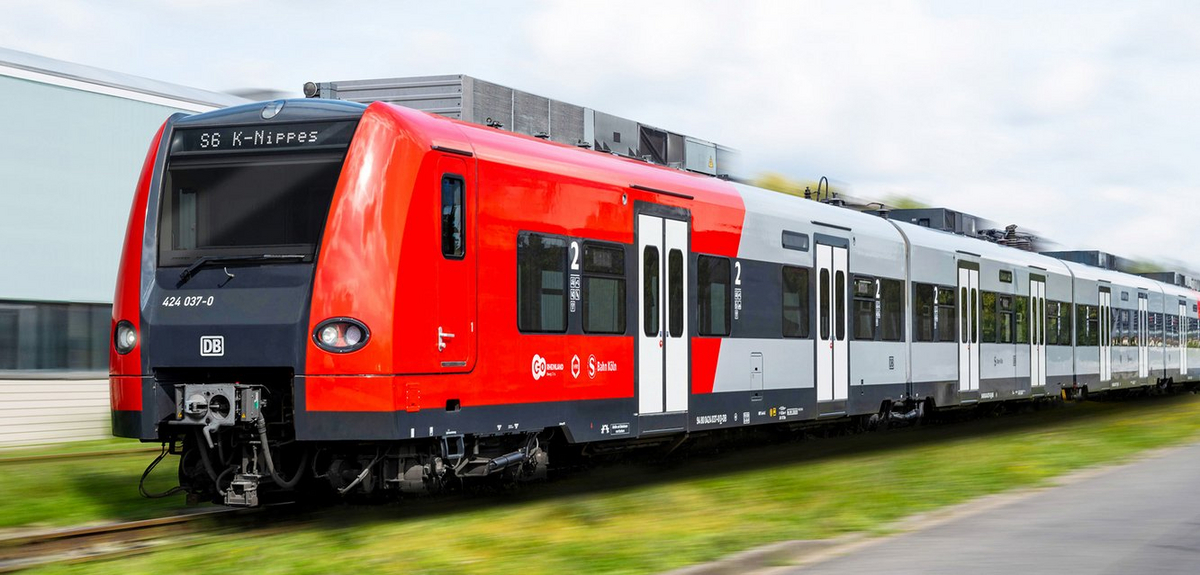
(60, 492)
(71, 447)
(642, 518)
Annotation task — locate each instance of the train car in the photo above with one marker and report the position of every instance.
(986, 320)
(321, 294)
(1180, 311)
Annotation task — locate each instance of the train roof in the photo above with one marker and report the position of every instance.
(809, 212)
(941, 240)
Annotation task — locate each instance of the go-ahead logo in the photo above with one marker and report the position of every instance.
(542, 368)
(539, 367)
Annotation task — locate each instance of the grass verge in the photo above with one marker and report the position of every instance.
(61, 492)
(652, 517)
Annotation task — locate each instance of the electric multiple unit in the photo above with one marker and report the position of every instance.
(322, 294)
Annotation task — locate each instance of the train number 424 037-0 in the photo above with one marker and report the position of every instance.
(188, 301)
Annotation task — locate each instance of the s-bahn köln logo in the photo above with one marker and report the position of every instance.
(541, 368)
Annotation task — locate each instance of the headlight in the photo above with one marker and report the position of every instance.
(125, 338)
(341, 335)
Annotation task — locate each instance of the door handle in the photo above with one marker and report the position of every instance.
(441, 337)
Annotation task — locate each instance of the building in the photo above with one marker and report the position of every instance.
(74, 141)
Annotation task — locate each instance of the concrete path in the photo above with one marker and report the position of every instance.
(1142, 517)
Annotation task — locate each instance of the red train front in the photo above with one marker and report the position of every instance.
(367, 298)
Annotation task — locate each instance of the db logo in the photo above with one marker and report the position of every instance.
(538, 367)
(212, 345)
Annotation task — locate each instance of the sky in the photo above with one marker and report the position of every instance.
(1077, 119)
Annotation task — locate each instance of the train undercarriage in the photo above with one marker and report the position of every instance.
(236, 447)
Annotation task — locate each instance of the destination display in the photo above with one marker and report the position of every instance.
(262, 138)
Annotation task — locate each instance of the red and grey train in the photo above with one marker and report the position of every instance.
(371, 298)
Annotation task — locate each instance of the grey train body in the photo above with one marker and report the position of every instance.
(1034, 325)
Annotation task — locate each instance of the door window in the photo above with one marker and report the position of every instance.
(650, 289)
(675, 292)
(824, 305)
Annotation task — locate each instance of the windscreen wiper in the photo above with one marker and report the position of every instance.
(206, 261)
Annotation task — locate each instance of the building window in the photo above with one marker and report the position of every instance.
(54, 336)
(795, 302)
(603, 289)
(541, 283)
(712, 281)
(453, 245)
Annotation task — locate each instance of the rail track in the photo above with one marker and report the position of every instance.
(27, 549)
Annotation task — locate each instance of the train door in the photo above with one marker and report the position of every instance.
(663, 350)
(1143, 327)
(968, 326)
(455, 267)
(1105, 335)
(1037, 334)
(1181, 328)
(833, 369)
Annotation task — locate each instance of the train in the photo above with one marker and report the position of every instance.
(326, 296)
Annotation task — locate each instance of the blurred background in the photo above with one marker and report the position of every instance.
(1075, 120)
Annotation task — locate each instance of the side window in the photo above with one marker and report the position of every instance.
(1052, 323)
(795, 302)
(839, 326)
(603, 289)
(988, 323)
(1005, 325)
(541, 283)
(1081, 320)
(453, 240)
(1128, 337)
(1022, 310)
(943, 316)
(891, 313)
(675, 281)
(865, 292)
(650, 291)
(712, 279)
(1064, 323)
(924, 306)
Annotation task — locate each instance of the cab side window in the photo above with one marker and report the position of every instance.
(453, 244)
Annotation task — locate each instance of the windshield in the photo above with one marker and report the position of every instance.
(247, 206)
